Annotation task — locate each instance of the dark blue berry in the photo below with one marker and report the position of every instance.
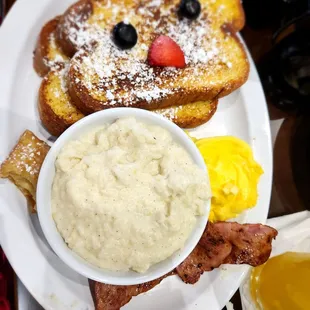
(190, 9)
(125, 35)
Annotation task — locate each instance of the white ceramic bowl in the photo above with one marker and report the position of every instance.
(44, 199)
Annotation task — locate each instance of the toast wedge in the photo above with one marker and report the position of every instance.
(23, 165)
(102, 76)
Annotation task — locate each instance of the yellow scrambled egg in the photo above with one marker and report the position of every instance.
(234, 175)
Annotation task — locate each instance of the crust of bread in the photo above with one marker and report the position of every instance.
(40, 54)
(74, 16)
(55, 108)
(230, 12)
(57, 112)
(190, 115)
(47, 53)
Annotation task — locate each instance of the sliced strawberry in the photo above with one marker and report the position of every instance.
(165, 52)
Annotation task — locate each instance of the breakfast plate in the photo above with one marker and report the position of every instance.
(55, 286)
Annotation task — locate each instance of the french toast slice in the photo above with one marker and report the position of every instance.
(190, 115)
(23, 165)
(73, 25)
(57, 112)
(47, 53)
(55, 105)
(102, 76)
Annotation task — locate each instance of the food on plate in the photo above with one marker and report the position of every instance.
(234, 174)
(175, 58)
(48, 54)
(124, 35)
(113, 297)
(190, 115)
(163, 192)
(189, 9)
(221, 243)
(103, 76)
(56, 115)
(229, 243)
(57, 112)
(165, 52)
(282, 283)
(23, 165)
(81, 20)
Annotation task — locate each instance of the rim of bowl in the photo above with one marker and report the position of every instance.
(57, 243)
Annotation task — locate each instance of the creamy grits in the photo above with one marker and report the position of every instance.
(126, 196)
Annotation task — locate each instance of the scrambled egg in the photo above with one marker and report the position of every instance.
(234, 175)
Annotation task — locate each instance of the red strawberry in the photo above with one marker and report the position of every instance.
(165, 52)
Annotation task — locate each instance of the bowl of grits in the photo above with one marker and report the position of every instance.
(123, 196)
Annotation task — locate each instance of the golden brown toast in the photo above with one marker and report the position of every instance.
(190, 115)
(55, 105)
(47, 53)
(74, 22)
(102, 76)
(23, 165)
(57, 112)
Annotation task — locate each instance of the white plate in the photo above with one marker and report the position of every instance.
(53, 284)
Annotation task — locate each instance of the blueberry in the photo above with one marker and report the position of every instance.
(125, 35)
(190, 9)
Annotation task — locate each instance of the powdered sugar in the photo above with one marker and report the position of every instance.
(155, 3)
(169, 113)
(119, 71)
(63, 74)
(152, 94)
(26, 157)
(52, 41)
(56, 93)
(55, 59)
(192, 38)
(110, 96)
(84, 35)
(119, 77)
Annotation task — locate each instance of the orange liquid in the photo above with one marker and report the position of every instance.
(282, 283)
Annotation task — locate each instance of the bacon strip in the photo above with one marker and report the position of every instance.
(221, 243)
(227, 243)
(113, 297)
